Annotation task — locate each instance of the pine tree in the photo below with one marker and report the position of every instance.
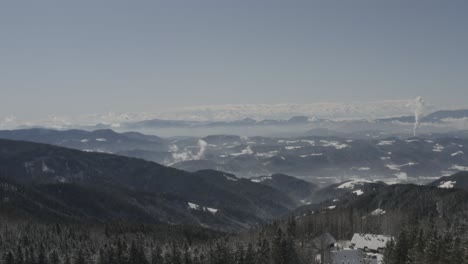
(291, 228)
(30, 256)
(249, 257)
(456, 252)
(19, 257)
(431, 252)
(263, 252)
(389, 256)
(156, 256)
(187, 256)
(110, 256)
(221, 254)
(172, 254)
(289, 251)
(465, 252)
(239, 254)
(8, 258)
(401, 248)
(41, 255)
(120, 252)
(66, 259)
(102, 257)
(54, 257)
(133, 254)
(417, 252)
(445, 248)
(277, 250)
(79, 257)
(201, 259)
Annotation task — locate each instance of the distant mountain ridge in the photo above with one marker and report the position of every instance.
(435, 117)
(333, 157)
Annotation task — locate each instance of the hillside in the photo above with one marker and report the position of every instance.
(383, 209)
(41, 165)
(299, 189)
(322, 160)
(457, 181)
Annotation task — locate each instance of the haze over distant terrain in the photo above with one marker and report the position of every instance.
(232, 112)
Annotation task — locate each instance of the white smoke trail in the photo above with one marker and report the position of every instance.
(179, 157)
(418, 113)
(173, 148)
(203, 146)
(188, 155)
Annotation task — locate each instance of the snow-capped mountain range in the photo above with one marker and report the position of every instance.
(210, 113)
(334, 111)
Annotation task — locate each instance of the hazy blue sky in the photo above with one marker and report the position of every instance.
(70, 57)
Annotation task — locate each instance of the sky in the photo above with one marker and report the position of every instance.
(79, 57)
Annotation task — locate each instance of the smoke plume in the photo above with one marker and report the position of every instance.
(419, 105)
(187, 154)
(201, 153)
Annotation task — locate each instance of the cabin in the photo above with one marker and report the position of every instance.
(324, 244)
(370, 242)
(362, 249)
(324, 241)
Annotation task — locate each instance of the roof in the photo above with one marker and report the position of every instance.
(351, 256)
(370, 241)
(324, 240)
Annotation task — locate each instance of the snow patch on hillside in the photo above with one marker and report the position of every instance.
(46, 169)
(269, 154)
(361, 168)
(292, 147)
(352, 184)
(335, 144)
(378, 212)
(447, 184)
(397, 167)
(385, 143)
(460, 168)
(311, 155)
(402, 176)
(197, 207)
(457, 153)
(358, 192)
(247, 151)
(438, 148)
(261, 179)
(229, 178)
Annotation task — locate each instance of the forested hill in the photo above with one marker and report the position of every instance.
(82, 183)
(457, 181)
(384, 209)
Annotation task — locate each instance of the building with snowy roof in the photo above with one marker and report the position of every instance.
(370, 242)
